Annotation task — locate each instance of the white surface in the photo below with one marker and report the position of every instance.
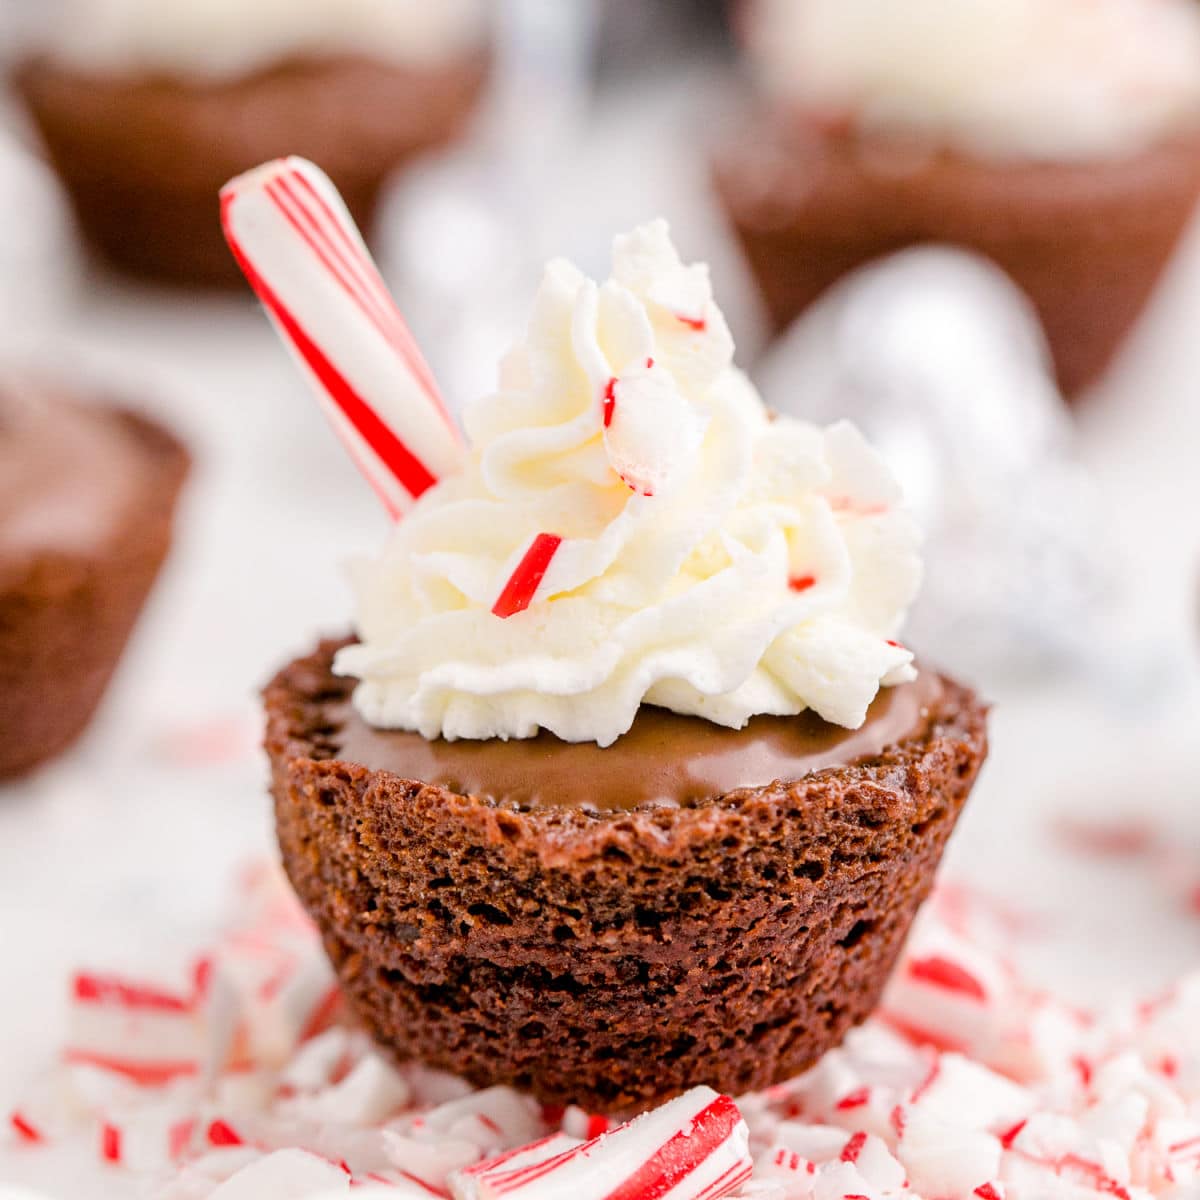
(120, 854)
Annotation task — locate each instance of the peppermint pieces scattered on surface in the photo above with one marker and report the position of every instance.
(968, 1085)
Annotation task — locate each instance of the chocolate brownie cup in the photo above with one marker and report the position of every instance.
(87, 495)
(144, 135)
(636, 789)
(608, 927)
(1076, 174)
(1087, 243)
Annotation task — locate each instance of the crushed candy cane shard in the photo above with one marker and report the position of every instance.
(26, 1130)
(133, 1028)
(468, 1182)
(518, 593)
(692, 1147)
(942, 973)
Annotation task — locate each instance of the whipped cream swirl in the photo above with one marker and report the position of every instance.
(632, 525)
(228, 38)
(1037, 79)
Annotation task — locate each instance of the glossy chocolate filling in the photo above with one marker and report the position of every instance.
(664, 759)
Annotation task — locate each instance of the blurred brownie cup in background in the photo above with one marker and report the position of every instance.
(146, 108)
(87, 496)
(1059, 137)
(635, 789)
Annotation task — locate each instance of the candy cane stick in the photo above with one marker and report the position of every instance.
(692, 1148)
(298, 246)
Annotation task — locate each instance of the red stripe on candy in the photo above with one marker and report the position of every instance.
(352, 248)
(1010, 1135)
(519, 1176)
(150, 1073)
(524, 582)
(728, 1180)
(854, 1099)
(396, 329)
(1084, 1068)
(930, 1079)
(939, 1040)
(108, 989)
(853, 1148)
(941, 973)
(26, 1130)
(491, 1165)
(610, 396)
(681, 1153)
(610, 401)
(316, 238)
(429, 1187)
(110, 1143)
(988, 1191)
(355, 274)
(404, 465)
(221, 1133)
(697, 323)
(202, 973)
(801, 583)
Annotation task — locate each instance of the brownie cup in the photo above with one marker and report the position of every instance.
(1087, 240)
(87, 495)
(143, 155)
(609, 926)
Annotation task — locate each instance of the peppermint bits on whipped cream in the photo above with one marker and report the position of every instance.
(631, 525)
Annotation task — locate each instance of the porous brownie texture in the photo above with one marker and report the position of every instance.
(1086, 241)
(144, 157)
(612, 959)
(66, 616)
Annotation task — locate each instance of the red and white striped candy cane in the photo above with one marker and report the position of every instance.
(692, 1148)
(297, 244)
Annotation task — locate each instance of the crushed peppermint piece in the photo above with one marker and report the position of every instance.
(1036, 1099)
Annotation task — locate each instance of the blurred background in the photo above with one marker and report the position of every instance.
(977, 240)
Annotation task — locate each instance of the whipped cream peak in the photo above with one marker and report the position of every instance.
(228, 38)
(1035, 79)
(633, 526)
